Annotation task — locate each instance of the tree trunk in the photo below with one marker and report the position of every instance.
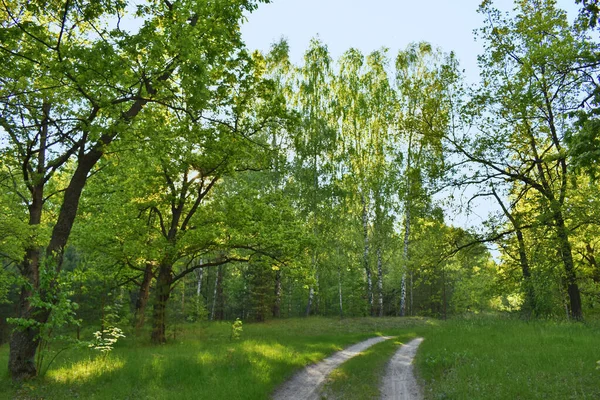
(142, 300)
(277, 303)
(445, 300)
(311, 293)
(199, 275)
(380, 281)
(183, 298)
(412, 274)
(317, 295)
(163, 290)
(365, 223)
(591, 259)
(290, 297)
(220, 299)
(23, 346)
(406, 238)
(567, 257)
(340, 291)
(311, 289)
(530, 304)
(24, 343)
(214, 298)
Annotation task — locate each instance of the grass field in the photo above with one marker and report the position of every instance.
(203, 363)
(483, 358)
(510, 359)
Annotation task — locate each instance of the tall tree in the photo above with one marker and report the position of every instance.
(425, 80)
(532, 82)
(73, 82)
(313, 145)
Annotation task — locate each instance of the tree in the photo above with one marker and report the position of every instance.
(425, 80)
(532, 81)
(314, 144)
(73, 82)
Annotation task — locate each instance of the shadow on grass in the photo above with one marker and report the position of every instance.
(203, 364)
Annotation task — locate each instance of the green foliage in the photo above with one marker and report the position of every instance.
(52, 294)
(236, 329)
(105, 340)
(198, 311)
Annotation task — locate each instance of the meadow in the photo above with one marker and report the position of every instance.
(473, 358)
(203, 362)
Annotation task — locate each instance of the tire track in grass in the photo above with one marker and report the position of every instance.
(399, 382)
(305, 384)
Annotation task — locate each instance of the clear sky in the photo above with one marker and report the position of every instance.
(371, 24)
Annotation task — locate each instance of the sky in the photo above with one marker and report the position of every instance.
(369, 25)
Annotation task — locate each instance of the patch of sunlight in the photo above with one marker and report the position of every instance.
(85, 370)
(338, 374)
(262, 357)
(325, 346)
(207, 358)
(405, 338)
(158, 364)
(272, 351)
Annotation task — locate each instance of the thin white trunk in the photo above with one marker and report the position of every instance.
(277, 305)
(318, 297)
(411, 293)
(403, 283)
(214, 304)
(290, 297)
(311, 293)
(366, 253)
(199, 276)
(380, 280)
(311, 289)
(340, 291)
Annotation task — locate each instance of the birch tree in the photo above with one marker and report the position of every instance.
(425, 81)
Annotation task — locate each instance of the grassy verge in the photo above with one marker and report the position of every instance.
(203, 363)
(510, 359)
(360, 377)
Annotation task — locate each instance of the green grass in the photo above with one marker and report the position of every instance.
(462, 359)
(203, 363)
(510, 359)
(360, 377)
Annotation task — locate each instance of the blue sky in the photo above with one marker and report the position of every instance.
(371, 24)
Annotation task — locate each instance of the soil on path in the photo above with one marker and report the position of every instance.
(305, 385)
(399, 382)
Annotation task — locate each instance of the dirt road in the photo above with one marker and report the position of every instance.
(305, 384)
(399, 382)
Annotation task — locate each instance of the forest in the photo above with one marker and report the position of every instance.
(155, 173)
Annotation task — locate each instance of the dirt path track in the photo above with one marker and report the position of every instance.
(399, 382)
(305, 384)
